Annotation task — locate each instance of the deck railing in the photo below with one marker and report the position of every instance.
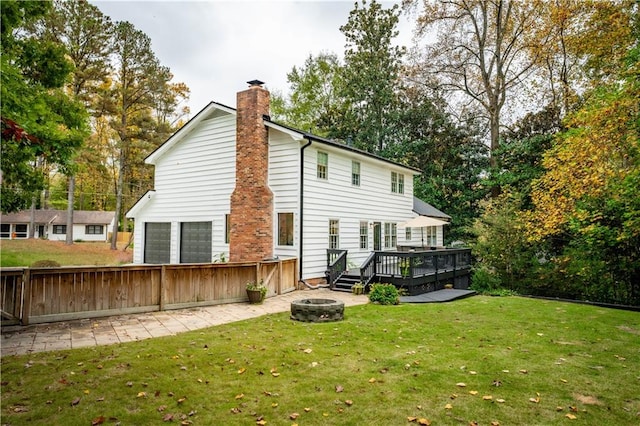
(424, 270)
(336, 264)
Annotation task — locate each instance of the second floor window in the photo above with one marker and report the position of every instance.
(397, 183)
(355, 173)
(323, 165)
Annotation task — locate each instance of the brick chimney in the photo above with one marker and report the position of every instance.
(251, 233)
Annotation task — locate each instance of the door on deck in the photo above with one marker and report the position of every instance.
(377, 236)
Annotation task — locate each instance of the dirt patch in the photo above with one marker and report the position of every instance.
(628, 329)
(587, 399)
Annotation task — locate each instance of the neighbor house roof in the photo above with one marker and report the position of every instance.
(296, 134)
(425, 209)
(59, 217)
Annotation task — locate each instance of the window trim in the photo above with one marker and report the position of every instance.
(390, 235)
(227, 228)
(356, 174)
(364, 236)
(57, 228)
(322, 166)
(289, 219)
(334, 237)
(89, 229)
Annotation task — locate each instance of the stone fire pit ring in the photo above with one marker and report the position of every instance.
(317, 310)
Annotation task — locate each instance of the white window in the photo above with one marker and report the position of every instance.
(285, 229)
(334, 233)
(227, 228)
(364, 235)
(397, 183)
(431, 236)
(355, 173)
(407, 233)
(323, 165)
(390, 235)
(400, 184)
(93, 229)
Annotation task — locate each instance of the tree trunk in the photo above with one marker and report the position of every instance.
(72, 188)
(32, 219)
(116, 223)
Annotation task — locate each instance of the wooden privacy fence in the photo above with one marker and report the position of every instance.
(36, 295)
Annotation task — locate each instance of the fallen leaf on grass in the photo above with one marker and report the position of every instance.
(424, 422)
(487, 397)
(307, 409)
(473, 392)
(570, 416)
(339, 389)
(240, 396)
(448, 407)
(21, 409)
(500, 400)
(97, 421)
(242, 370)
(167, 417)
(524, 371)
(294, 416)
(348, 402)
(534, 400)
(142, 395)
(308, 351)
(161, 408)
(372, 380)
(461, 385)
(495, 423)
(75, 402)
(181, 400)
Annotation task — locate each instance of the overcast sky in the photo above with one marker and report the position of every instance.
(215, 47)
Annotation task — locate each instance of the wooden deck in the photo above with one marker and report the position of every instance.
(417, 271)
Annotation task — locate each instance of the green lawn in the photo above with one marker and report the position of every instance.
(26, 252)
(521, 361)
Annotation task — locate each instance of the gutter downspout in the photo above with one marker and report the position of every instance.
(302, 215)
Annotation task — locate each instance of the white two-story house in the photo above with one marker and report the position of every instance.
(231, 184)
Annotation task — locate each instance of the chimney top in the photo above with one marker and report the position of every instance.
(254, 83)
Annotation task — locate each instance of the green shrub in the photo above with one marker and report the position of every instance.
(484, 279)
(384, 294)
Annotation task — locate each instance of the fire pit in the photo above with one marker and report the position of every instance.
(317, 310)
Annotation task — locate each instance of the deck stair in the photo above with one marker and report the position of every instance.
(346, 281)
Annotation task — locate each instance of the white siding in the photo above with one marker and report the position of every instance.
(284, 171)
(337, 198)
(193, 182)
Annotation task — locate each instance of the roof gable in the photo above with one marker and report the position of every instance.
(212, 108)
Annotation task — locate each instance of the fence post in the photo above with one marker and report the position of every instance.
(26, 295)
(163, 278)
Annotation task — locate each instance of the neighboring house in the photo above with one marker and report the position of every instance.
(52, 225)
(232, 184)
